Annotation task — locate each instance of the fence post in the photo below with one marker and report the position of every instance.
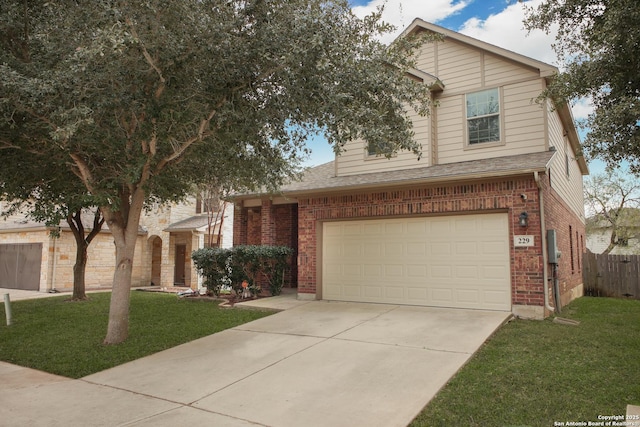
(7, 308)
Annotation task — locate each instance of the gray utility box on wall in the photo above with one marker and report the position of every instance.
(552, 247)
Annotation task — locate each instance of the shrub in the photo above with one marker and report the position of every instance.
(243, 263)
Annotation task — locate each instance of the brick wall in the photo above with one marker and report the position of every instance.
(486, 196)
(513, 196)
(281, 229)
(570, 234)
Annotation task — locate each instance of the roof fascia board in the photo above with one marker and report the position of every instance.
(566, 117)
(250, 200)
(419, 182)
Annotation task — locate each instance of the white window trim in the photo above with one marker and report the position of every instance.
(480, 145)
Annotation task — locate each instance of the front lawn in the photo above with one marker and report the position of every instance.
(65, 338)
(537, 373)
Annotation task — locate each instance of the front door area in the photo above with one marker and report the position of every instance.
(179, 269)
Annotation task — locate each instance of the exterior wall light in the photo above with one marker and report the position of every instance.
(524, 219)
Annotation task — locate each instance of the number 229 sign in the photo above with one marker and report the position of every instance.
(523, 241)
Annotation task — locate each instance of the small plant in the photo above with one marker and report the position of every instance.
(245, 263)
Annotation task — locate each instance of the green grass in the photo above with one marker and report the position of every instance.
(535, 373)
(65, 338)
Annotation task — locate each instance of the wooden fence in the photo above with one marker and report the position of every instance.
(611, 275)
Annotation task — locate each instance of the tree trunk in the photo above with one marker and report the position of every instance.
(82, 245)
(124, 227)
(79, 272)
(613, 242)
(118, 327)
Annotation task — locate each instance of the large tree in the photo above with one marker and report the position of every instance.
(598, 43)
(135, 97)
(613, 200)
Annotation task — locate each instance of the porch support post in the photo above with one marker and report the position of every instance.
(240, 224)
(268, 224)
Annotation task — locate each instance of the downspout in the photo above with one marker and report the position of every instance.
(543, 233)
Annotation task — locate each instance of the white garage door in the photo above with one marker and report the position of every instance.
(454, 261)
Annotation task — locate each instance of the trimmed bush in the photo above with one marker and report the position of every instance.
(250, 263)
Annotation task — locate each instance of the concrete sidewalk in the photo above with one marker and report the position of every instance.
(315, 364)
(19, 294)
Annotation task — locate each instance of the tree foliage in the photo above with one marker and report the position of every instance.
(250, 263)
(613, 203)
(136, 100)
(31, 189)
(598, 42)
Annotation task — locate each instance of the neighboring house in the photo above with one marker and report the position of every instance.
(444, 231)
(627, 238)
(30, 258)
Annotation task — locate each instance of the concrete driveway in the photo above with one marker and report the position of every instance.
(316, 364)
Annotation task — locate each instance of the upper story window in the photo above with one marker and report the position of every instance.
(483, 116)
(380, 150)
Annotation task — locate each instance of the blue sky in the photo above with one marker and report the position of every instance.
(498, 22)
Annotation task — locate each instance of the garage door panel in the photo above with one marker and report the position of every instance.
(416, 249)
(417, 271)
(417, 228)
(467, 272)
(440, 272)
(393, 271)
(468, 296)
(372, 270)
(439, 249)
(455, 261)
(374, 292)
(466, 248)
(394, 249)
(373, 249)
(418, 295)
(442, 296)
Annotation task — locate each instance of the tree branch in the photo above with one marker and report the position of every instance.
(98, 221)
(149, 59)
(83, 172)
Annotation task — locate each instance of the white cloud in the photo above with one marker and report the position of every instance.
(503, 28)
(582, 108)
(401, 13)
(506, 29)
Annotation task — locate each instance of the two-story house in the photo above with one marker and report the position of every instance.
(466, 225)
(32, 259)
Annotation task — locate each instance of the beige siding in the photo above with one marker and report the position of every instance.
(522, 129)
(458, 66)
(354, 160)
(569, 187)
(498, 71)
(464, 69)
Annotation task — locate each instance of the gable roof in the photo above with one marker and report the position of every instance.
(193, 223)
(322, 179)
(419, 25)
(545, 71)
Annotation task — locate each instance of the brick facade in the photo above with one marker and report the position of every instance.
(570, 234)
(512, 195)
(269, 224)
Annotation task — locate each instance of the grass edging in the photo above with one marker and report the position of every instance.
(65, 338)
(537, 373)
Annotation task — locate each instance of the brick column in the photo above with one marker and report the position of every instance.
(268, 224)
(240, 224)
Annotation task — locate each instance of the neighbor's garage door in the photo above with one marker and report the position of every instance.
(454, 261)
(20, 266)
